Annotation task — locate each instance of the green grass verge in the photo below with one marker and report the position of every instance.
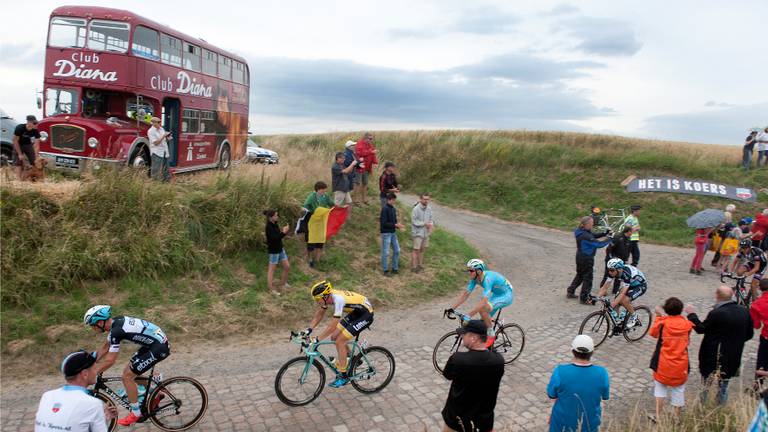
(189, 256)
(552, 179)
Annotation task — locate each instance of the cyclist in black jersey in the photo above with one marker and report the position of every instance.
(750, 261)
(153, 349)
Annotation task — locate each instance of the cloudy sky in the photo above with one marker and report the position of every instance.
(690, 70)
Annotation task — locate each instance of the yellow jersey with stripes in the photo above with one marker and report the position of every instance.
(344, 301)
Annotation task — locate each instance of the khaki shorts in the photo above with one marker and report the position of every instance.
(420, 242)
(341, 198)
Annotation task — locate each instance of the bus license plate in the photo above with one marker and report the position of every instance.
(67, 162)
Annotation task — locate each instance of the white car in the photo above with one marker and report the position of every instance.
(258, 154)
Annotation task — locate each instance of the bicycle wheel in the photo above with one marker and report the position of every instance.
(372, 372)
(644, 321)
(510, 340)
(596, 325)
(177, 404)
(298, 383)
(111, 423)
(447, 345)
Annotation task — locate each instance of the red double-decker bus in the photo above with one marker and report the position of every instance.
(107, 71)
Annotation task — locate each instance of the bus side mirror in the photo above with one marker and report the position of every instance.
(39, 103)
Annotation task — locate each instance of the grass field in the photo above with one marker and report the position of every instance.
(552, 178)
(189, 256)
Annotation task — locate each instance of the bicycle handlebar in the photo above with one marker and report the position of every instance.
(723, 276)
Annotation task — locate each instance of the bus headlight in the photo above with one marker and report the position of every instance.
(92, 142)
(43, 136)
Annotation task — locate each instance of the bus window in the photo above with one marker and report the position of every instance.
(207, 122)
(238, 72)
(191, 57)
(133, 110)
(146, 43)
(60, 101)
(190, 120)
(108, 36)
(95, 103)
(67, 32)
(209, 62)
(170, 50)
(225, 67)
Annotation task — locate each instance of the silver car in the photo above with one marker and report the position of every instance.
(6, 137)
(258, 154)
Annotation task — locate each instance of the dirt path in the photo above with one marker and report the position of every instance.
(539, 262)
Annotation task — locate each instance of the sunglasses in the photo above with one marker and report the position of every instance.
(472, 270)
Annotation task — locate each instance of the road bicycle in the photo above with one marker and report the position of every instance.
(611, 220)
(173, 404)
(301, 379)
(742, 293)
(510, 340)
(606, 323)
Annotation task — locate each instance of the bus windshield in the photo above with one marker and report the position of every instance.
(60, 101)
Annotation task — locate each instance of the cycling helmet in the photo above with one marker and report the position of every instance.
(615, 264)
(476, 264)
(745, 243)
(96, 314)
(321, 289)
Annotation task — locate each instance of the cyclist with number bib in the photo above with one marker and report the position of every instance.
(632, 285)
(359, 316)
(751, 261)
(153, 343)
(497, 294)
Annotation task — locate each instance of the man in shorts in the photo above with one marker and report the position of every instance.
(422, 225)
(152, 341)
(25, 144)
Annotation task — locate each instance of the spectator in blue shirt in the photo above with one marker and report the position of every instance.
(577, 390)
(586, 246)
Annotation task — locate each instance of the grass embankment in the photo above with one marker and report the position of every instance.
(189, 256)
(550, 178)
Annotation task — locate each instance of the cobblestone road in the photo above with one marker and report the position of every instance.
(239, 375)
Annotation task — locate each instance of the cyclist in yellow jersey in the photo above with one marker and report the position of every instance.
(359, 316)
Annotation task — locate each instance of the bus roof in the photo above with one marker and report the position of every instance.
(97, 12)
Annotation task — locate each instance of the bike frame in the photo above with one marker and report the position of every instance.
(102, 387)
(740, 290)
(313, 353)
(612, 221)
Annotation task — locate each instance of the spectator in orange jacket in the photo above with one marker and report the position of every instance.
(670, 359)
(366, 151)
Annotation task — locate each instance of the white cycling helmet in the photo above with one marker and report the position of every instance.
(96, 314)
(615, 264)
(476, 264)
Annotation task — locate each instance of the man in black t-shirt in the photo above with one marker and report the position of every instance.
(476, 376)
(25, 138)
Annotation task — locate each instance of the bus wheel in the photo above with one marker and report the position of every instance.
(140, 159)
(226, 158)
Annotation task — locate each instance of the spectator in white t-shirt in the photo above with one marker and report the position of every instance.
(158, 149)
(762, 147)
(71, 408)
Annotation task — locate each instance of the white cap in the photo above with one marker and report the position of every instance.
(349, 144)
(583, 344)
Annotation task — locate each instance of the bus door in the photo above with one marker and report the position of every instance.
(171, 111)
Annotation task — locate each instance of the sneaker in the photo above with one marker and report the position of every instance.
(386, 273)
(311, 264)
(692, 271)
(394, 271)
(275, 293)
(128, 420)
(414, 269)
(419, 268)
(341, 381)
(571, 296)
(489, 341)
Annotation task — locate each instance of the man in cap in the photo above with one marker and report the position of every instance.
(577, 390)
(25, 143)
(349, 157)
(71, 407)
(475, 375)
(632, 222)
(158, 149)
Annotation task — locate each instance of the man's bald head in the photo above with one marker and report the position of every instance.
(724, 293)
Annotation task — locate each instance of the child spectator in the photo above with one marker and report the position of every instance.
(318, 198)
(388, 182)
(700, 243)
(388, 227)
(670, 359)
(275, 249)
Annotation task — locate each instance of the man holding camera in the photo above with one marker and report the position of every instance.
(586, 247)
(158, 148)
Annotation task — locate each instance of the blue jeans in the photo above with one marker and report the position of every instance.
(386, 240)
(746, 159)
(722, 391)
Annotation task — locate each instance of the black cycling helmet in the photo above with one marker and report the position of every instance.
(745, 243)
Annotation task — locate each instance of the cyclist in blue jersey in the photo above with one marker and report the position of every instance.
(497, 294)
(153, 343)
(632, 285)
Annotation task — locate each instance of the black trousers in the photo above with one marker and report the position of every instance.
(634, 250)
(585, 268)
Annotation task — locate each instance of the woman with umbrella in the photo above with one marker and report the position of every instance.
(704, 222)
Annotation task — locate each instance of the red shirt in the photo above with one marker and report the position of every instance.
(701, 235)
(759, 313)
(364, 150)
(760, 227)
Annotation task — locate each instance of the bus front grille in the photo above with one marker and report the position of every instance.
(68, 138)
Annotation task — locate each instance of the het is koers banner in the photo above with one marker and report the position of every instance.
(696, 187)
